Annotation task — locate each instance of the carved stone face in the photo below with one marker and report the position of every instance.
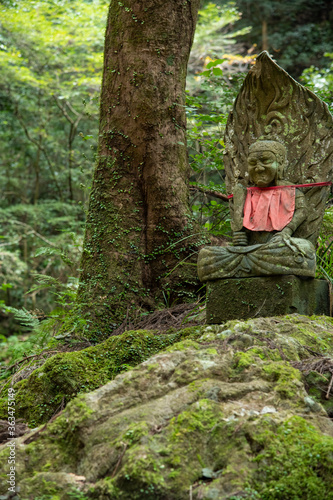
(263, 167)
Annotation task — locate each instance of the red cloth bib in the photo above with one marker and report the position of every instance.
(268, 209)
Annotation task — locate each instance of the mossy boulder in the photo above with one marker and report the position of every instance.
(48, 389)
(221, 414)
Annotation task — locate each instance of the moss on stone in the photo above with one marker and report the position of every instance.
(53, 486)
(62, 377)
(296, 462)
(202, 416)
(243, 360)
(183, 345)
(286, 378)
(317, 387)
(230, 417)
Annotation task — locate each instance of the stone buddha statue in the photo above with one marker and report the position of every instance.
(266, 215)
(278, 171)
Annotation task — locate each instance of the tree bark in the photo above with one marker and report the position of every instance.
(139, 225)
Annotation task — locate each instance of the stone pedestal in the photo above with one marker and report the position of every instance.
(244, 298)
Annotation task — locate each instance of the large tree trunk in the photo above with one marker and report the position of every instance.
(139, 225)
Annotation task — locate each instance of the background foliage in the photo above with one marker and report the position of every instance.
(51, 63)
(298, 32)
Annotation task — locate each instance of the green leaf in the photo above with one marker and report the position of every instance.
(217, 72)
(215, 63)
(47, 251)
(205, 73)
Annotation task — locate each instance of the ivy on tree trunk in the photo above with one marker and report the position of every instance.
(139, 227)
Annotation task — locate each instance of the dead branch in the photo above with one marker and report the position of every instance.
(29, 357)
(119, 461)
(329, 387)
(209, 192)
(173, 317)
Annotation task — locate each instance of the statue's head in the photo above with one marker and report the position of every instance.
(266, 162)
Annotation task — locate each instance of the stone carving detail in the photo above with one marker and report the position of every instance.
(279, 134)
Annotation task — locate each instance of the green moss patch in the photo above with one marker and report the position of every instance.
(287, 379)
(62, 377)
(296, 462)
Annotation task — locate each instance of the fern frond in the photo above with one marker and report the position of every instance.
(48, 251)
(24, 317)
(44, 281)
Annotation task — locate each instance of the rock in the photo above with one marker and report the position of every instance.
(20, 429)
(200, 416)
(41, 393)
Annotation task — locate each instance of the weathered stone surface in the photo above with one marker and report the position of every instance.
(274, 258)
(223, 416)
(265, 296)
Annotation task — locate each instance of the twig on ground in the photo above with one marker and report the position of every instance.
(329, 387)
(119, 461)
(29, 357)
(321, 365)
(163, 320)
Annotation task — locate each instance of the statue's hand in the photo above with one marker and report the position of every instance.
(239, 239)
(282, 237)
(286, 232)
